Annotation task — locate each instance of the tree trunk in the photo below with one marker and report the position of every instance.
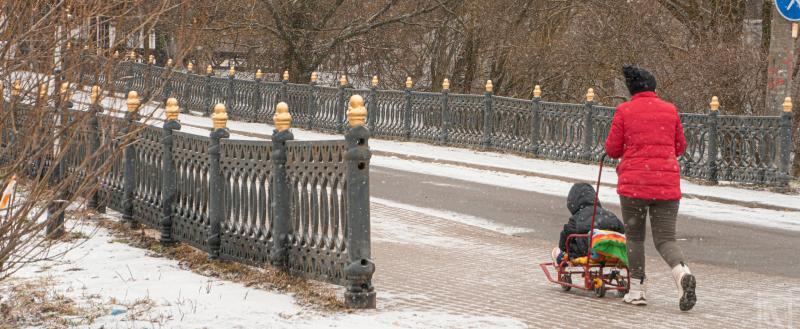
(779, 60)
(752, 26)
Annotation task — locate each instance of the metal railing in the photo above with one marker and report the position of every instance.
(299, 205)
(744, 149)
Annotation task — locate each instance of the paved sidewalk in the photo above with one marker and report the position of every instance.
(429, 263)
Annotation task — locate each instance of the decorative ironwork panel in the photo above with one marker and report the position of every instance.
(316, 175)
(246, 229)
(749, 149)
(602, 116)
(191, 222)
(298, 101)
(511, 126)
(192, 97)
(111, 183)
(695, 160)
(561, 130)
(327, 116)
(243, 104)
(147, 177)
(269, 92)
(388, 120)
(466, 119)
(426, 116)
(219, 90)
(77, 147)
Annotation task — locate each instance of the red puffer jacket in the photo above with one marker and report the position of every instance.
(647, 133)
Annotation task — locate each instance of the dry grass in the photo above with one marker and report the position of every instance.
(317, 295)
(35, 303)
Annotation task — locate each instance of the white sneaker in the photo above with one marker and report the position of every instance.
(636, 293)
(554, 255)
(686, 284)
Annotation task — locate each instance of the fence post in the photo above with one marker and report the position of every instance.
(168, 173)
(341, 121)
(713, 141)
(312, 102)
(229, 94)
(216, 205)
(282, 194)
(358, 273)
(130, 156)
(207, 91)
(284, 85)
(487, 115)
(786, 142)
(372, 104)
(258, 101)
(536, 119)
(445, 132)
(94, 136)
(407, 108)
(588, 126)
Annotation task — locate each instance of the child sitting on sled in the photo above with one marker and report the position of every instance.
(609, 239)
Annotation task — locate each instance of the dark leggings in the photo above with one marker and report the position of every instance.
(663, 215)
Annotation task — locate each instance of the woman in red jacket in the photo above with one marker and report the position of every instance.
(647, 134)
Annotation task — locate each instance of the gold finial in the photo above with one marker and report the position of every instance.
(282, 118)
(446, 84)
(787, 104)
(409, 83)
(356, 112)
(95, 96)
(116, 54)
(69, 45)
(375, 80)
(232, 71)
(43, 90)
(190, 67)
(286, 75)
(209, 69)
(489, 86)
(259, 74)
(537, 91)
(16, 89)
(133, 101)
(314, 77)
(169, 62)
(151, 59)
(172, 109)
(590, 95)
(132, 55)
(220, 117)
(343, 80)
(714, 103)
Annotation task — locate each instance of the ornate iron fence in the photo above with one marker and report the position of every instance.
(719, 147)
(299, 205)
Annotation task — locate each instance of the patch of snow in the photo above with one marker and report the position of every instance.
(115, 274)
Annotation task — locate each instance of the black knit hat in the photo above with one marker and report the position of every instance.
(638, 79)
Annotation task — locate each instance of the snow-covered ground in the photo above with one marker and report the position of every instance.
(101, 272)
